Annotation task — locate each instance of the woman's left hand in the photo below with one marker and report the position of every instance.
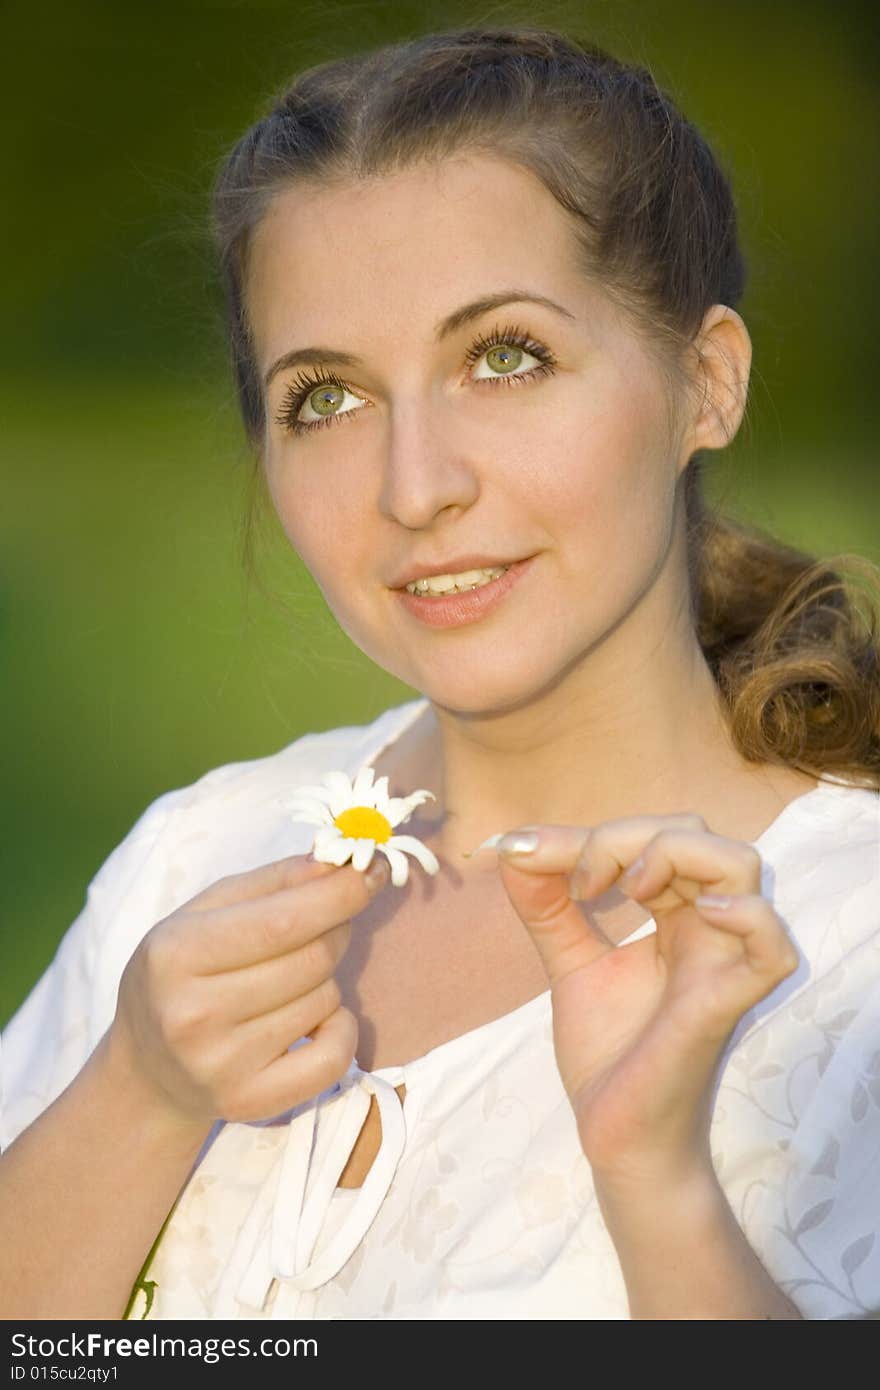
(639, 1029)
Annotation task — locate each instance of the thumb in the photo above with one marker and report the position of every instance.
(563, 937)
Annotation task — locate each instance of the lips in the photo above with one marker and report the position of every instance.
(456, 564)
(460, 609)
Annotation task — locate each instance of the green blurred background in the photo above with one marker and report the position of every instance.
(135, 654)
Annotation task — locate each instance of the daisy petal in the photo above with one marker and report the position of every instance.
(336, 852)
(338, 792)
(339, 789)
(362, 790)
(363, 853)
(399, 865)
(426, 858)
(380, 795)
(400, 808)
(327, 835)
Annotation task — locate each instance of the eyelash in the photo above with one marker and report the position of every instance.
(512, 336)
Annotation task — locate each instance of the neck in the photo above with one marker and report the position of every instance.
(649, 742)
(570, 755)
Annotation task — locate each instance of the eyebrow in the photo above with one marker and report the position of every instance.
(450, 324)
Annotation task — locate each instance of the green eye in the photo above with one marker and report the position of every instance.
(507, 354)
(505, 358)
(319, 402)
(326, 400)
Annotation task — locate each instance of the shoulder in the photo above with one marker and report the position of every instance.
(235, 814)
(823, 871)
(235, 818)
(259, 781)
(231, 820)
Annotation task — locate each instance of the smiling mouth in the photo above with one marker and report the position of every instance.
(462, 604)
(440, 584)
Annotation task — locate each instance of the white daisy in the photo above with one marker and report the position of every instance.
(355, 819)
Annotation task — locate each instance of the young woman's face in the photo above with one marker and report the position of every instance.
(454, 436)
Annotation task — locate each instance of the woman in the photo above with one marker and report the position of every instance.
(528, 1085)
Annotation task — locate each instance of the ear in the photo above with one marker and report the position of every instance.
(723, 352)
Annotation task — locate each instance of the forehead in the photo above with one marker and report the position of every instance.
(400, 250)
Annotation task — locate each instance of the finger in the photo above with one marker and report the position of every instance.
(318, 1062)
(677, 851)
(540, 867)
(255, 1043)
(678, 864)
(708, 998)
(256, 883)
(564, 940)
(258, 989)
(768, 950)
(231, 937)
(583, 852)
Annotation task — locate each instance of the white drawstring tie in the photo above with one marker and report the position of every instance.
(280, 1237)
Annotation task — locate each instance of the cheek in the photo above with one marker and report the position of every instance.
(618, 452)
(328, 533)
(313, 516)
(604, 483)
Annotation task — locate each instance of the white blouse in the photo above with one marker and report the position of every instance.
(479, 1203)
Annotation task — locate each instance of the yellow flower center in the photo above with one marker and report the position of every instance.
(364, 823)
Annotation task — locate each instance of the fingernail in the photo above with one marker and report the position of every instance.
(713, 902)
(377, 873)
(519, 842)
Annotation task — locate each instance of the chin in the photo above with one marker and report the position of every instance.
(493, 676)
(484, 694)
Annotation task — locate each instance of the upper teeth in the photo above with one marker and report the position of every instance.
(454, 583)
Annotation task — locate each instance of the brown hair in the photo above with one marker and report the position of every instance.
(796, 661)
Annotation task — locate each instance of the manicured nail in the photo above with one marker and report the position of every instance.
(712, 902)
(519, 842)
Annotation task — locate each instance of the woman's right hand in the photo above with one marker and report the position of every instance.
(216, 993)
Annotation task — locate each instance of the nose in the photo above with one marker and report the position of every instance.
(427, 472)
